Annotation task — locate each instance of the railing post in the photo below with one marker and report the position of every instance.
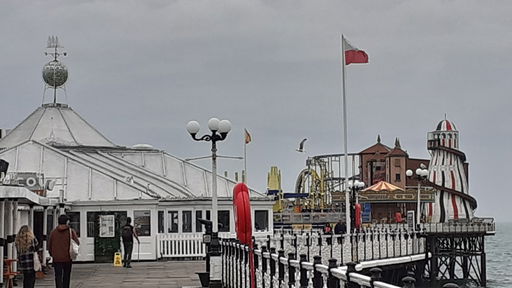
(246, 262)
(281, 241)
(281, 267)
(256, 263)
(272, 266)
(303, 272)
(308, 243)
(291, 270)
(263, 265)
(351, 268)
(376, 275)
(295, 244)
(319, 244)
(332, 282)
(318, 281)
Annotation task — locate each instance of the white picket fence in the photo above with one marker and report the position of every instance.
(188, 245)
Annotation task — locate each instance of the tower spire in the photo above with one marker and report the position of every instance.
(55, 73)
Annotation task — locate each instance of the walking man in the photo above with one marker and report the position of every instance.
(58, 245)
(127, 234)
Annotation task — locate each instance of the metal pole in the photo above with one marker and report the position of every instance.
(45, 235)
(418, 205)
(347, 192)
(215, 255)
(215, 227)
(2, 240)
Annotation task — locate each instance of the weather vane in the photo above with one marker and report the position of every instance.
(55, 73)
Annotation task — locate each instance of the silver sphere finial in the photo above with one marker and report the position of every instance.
(55, 74)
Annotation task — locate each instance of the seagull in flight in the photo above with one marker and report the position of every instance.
(301, 145)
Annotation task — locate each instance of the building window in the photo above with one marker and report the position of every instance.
(397, 162)
(74, 221)
(199, 226)
(142, 222)
(186, 219)
(91, 229)
(161, 228)
(397, 177)
(172, 217)
(261, 220)
(223, 217)
(208, 215)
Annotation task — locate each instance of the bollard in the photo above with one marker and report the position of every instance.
(280, 276)
(351, 268)
(376, 275)
(408, 282)
(291, 271)
(332, 282)
(303, 272)
(318, 281)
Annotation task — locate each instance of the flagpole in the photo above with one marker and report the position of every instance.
(347, 192)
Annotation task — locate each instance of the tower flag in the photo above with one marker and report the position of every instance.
(247, 140)
(352, 54)
(349, 54)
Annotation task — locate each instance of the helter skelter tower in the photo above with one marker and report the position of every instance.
(449, 176)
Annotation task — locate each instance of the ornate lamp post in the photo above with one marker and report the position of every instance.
(355, 187)
(219, 131)
(421, 174)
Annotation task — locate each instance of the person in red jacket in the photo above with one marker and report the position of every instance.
(58, 246)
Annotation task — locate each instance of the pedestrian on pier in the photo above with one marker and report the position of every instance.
(328, 231)
(58, 245)
(340, 229)
(128, 233)
(26, 245)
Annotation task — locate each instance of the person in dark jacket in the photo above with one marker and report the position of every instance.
(58, 246)
(128, 232)
(26, 244)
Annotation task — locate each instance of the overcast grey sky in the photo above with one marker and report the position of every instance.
(140, 70)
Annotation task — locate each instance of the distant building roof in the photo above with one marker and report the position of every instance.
(55, 124)
(397, 151)
(446, 125)
(376, 148)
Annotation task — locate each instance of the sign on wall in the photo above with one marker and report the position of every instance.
(107, 226)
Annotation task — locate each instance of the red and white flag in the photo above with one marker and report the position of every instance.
(352, 54)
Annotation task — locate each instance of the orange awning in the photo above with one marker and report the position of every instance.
(383, 186)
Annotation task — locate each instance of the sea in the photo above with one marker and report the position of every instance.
(499, 257)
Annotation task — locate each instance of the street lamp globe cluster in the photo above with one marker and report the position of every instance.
(421, 174)
(219, 131)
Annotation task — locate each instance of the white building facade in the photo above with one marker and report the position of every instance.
(98, 184)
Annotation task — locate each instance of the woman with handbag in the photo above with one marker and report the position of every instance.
(28, 259)
(60, 243)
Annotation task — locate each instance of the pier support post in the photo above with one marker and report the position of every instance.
(332, 282)
(303, 272)
(376, 275)
(408, 282)
(291, 270)
(318, 281)
(351, 268)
